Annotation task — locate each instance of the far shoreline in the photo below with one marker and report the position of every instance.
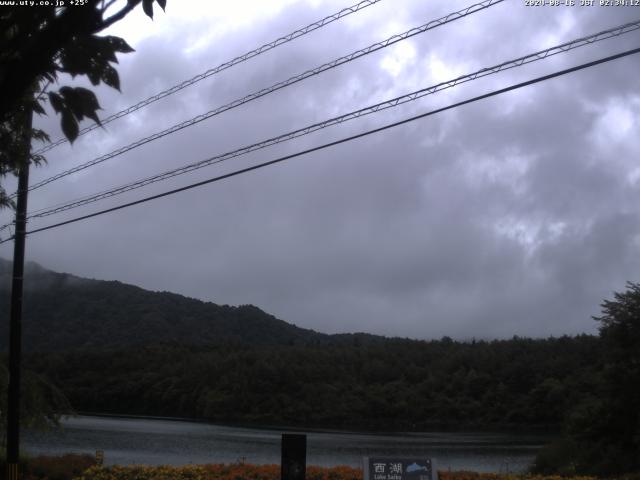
(543, 431)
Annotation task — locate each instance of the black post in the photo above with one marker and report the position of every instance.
(293, 464)
(15, 326)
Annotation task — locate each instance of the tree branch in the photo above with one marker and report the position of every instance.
(106, 7)
(120, 15)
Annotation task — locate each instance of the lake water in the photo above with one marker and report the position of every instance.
(159, 442)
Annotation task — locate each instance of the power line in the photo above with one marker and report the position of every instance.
(343, 140)
(277, 86)
(223, 66)
(533, 57)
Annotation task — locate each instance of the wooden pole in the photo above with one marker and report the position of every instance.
(293, 463)
(15, 325)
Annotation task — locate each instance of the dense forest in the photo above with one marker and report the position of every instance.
(391, 384)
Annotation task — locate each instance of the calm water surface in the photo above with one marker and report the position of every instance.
(168, 442)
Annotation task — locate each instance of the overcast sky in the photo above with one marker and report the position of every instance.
(516, 215)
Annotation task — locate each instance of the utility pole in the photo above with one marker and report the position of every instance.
(15, 325)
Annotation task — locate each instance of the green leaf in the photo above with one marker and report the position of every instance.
(147, 6)
(105, 51)
(89, 99)
(94, 77)
(89, 55)
(69, 125)
(82, 102)
(75, 59)
(41, 135)
(56, 102)
(109, 76)
(37, 159)
(72, 102)
(89, 103)
(38, 108)
(119, 45)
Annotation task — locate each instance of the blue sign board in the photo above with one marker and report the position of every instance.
(390, 468)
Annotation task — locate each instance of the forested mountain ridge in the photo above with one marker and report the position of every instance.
(116, 348)
(62, 312)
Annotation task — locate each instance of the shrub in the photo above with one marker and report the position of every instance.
(558, 458)
(44, 467)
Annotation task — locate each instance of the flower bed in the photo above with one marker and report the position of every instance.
(270, 472)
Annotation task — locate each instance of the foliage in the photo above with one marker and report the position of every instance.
(271, 472)
(603, 428)
(387, 384)
(41, 402)
(15, 138)
(64, 467)
(37, 44)
(82, 467)
(462, 475)
(620, 332)
(215, 472)
(556, 458)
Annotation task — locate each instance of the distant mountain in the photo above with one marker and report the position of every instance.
(62, 312)
(116, 348)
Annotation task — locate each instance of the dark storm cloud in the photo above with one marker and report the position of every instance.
(516, 215)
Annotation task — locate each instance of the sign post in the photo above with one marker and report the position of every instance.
(294, 457)
(390, 468)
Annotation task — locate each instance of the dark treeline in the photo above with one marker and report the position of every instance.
(359, 382)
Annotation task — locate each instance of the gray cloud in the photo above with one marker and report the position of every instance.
(515, 215)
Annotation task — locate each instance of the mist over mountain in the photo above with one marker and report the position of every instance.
(63, 311)
(117, 348)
